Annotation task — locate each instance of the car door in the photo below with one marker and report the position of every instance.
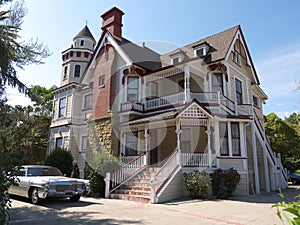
(18, 189)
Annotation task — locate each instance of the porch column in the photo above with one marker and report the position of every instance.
(147, 137)
(255, 163)
(208, 132)
(187, 91)
(266, 167)
(178, 132)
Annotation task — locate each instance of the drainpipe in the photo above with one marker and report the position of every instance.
(255, 163)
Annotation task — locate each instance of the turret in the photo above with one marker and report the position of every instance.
(76, 58)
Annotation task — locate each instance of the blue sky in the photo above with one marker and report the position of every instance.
(271, 29)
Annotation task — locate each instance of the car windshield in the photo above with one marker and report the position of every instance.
(44, 171)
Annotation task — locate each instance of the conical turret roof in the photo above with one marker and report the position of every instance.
(85, 33)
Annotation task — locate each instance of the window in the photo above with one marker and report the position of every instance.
(77, 71)
(59, 142)
(62, 107)
(65, 72)
(238, 91)
(101, 81)
(236, 58)
(78, 54)
(181, 85)
(88, 101)
(217, 82)
(71, 54)
(175, 60)
(235, 137)
(201, 50)
(84, 143)
(131, 144)
(132, 89)
(81, 42)
(255, 101)
(224, 150)
(86, 54)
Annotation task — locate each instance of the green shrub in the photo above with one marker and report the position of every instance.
(291, 211)
(224, 182)
(102, 163)
(62, 159)
(197, 183)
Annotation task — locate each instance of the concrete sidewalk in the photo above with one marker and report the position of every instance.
(254, 210)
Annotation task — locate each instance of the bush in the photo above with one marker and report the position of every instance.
(197, 183)
(102, 163)
(62, 159)
(224, 182)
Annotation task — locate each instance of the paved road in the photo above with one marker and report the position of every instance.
(242, 210)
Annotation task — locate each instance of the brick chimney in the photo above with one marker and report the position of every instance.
(112, 21)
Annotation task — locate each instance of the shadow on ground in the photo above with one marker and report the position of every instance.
(290, 195)
(35, 216)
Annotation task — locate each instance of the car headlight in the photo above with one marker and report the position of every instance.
(47, 186)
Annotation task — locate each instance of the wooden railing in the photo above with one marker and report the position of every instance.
(116, 179)
(164, 101)
(128, 158)
(244, 109)
(166, 171)
(196, 159)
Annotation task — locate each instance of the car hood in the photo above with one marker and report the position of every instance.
(55, 179)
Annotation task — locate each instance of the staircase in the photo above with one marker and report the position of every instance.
(137, 189)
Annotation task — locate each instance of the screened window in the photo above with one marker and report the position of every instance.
(101, 81)
(77, 71)
(62, 107)
(255, 101)
(131, 144)
(84, 143)
(238, 91)
(235, 137)
(88, 101)
(132, 89)
(59, 142)
(217, 82)
(224, 150)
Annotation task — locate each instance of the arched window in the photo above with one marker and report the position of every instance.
(77, 71)
(65, 72)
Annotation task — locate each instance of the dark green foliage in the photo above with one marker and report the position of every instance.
(197, 183)
(284, 138)
(75, 171)
(102, 163)
(62, 159)
(224, 182)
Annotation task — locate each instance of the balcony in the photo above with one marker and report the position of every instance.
(209, 99)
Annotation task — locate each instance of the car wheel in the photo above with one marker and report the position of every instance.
(75, 198)
(294, 181)
(34, 196)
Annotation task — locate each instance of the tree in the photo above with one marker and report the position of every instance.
(14, 52)
(284, 139)
(62, 159)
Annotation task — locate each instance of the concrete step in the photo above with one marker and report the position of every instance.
(133, 192)
(135, 188)
(143, 199)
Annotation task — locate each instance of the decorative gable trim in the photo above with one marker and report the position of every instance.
(194, 111)
(102, 42)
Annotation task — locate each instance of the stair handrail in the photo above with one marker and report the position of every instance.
(127, 171)
(166, 171)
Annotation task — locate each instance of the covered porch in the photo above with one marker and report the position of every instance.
(158, 136)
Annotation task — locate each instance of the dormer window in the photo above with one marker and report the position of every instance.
(201, 50)
(176, 58)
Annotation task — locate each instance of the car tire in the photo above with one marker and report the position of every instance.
(34, 196)
(294, 181)
(75, 198)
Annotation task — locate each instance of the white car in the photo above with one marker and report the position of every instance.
(41, 182)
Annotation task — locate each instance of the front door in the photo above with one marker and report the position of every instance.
(153, 148)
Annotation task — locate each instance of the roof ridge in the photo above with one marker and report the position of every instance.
(231, 28)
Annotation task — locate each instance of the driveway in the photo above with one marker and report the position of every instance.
(255, 209)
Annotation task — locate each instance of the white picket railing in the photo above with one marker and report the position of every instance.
(126, 159)
(196, 159)
(164, 101)
(127, 171)
(166, 171)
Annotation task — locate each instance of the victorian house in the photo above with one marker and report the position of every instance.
(198, 107)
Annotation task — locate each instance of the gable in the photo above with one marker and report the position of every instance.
(194, 111)
(239, 46)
